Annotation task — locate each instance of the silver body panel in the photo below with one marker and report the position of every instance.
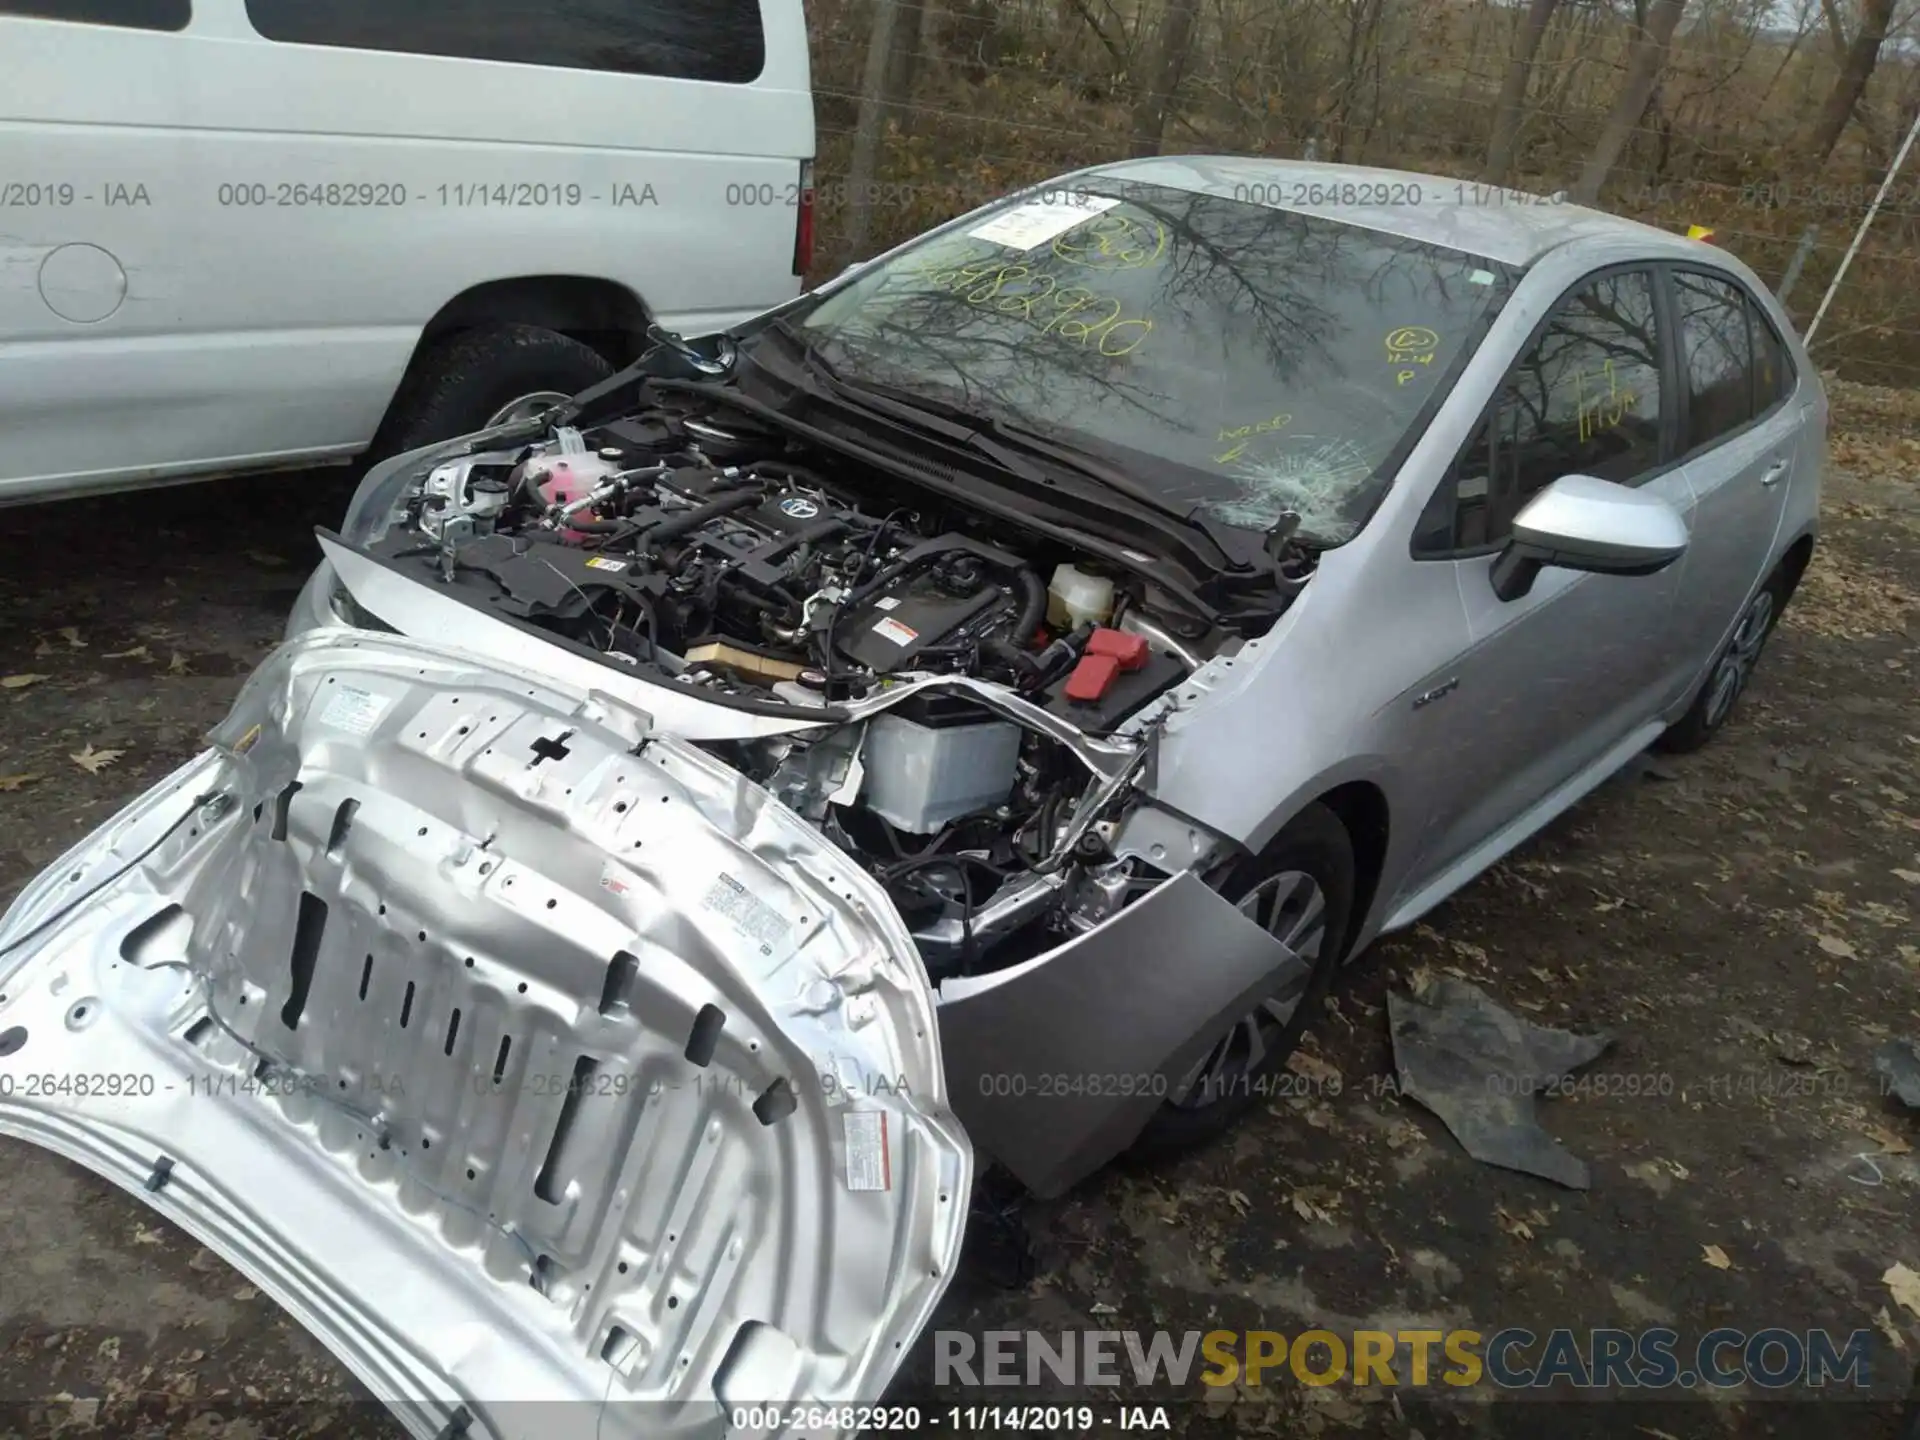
(513, 946)
(1467, 720)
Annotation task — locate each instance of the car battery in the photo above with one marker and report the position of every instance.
(931, 764)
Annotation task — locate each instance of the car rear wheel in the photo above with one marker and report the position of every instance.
(1300, 890)
(1732, 669)
(483, 377)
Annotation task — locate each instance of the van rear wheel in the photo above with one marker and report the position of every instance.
(482, 377)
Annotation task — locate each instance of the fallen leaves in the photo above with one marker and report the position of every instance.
(1844, 599)
(1904, 1286)
(1836, 947)
(1521, 1228)
(10, 783)
(94, 761)
(1889, 1143)
(1716, 1257)
(1310, 1067)
(19, 682)
(1890, 1328)
(1658, 1174)
(138, 652)
(71, 634)
(1315, 1202)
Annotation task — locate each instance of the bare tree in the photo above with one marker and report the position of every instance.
(874, 105)
(1513, 91)
(1856, 68)
(1169, 65)
(1645, 57)
(903, 63)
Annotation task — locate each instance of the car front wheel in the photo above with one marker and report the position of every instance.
(1299, 890)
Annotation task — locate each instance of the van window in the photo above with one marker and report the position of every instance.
(129, 14)
(716, 40)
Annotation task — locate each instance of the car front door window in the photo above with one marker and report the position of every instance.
(1584, 399)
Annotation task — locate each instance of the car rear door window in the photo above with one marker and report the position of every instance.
(1773, 373)
(1717, 364)
(1584, 399)
(715, 40)
(127, 14)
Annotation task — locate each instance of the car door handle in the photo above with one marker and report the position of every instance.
(1775, 473)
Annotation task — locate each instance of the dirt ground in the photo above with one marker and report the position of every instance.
(1742, 920)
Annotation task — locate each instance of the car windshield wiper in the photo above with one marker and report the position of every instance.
(1015, 447)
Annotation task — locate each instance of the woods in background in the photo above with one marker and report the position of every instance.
(1772, 120)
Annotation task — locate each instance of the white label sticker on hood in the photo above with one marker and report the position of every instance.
(354, 711)
(1039, 221)
(750, 915)
(869, 1167)
(891, 629)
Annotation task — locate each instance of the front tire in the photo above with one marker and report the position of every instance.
(1300, 889)
(477, 378)
(1732, 669)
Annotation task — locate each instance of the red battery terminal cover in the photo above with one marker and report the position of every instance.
(1128, 650)
(1092, 678)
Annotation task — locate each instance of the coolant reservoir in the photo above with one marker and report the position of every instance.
(1076, 598)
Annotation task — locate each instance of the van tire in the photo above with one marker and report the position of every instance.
(456, 384)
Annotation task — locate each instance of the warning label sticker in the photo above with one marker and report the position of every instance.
(750, 915)
(601, 562)
(869, 1167)
(892, 629)
(354, 711)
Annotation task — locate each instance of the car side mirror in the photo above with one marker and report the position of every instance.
(1583, 523)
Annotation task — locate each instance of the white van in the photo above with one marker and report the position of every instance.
(239, 235)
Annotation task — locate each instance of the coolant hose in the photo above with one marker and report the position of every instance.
(678, 525)
(1033, 606)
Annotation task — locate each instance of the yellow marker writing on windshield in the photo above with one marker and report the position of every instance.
(1247, 434)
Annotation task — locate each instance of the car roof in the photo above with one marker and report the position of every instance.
(1511, 226)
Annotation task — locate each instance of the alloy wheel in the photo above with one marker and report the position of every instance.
(1291, 907)
(1730, 676)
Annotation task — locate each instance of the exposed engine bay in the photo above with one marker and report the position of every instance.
(731, 560)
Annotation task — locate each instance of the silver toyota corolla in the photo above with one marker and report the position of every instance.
(977, 707)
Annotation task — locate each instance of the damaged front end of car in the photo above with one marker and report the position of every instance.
(544, 1067)
(564, 983)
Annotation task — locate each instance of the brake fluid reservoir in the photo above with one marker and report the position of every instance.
(1076, 598)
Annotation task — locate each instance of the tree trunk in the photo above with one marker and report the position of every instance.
(1851, 83)
(1836, 31)
(903, 64)
(1169, 65)
(1513, 91)
(869, 128)
(1644, 61)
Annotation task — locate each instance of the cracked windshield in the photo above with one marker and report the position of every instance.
(1245, 360)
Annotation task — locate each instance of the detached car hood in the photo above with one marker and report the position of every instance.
(557, 1078)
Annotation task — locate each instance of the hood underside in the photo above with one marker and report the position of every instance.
(540, 1064)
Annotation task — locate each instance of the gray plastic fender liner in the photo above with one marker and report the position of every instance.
(1055, 1065)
